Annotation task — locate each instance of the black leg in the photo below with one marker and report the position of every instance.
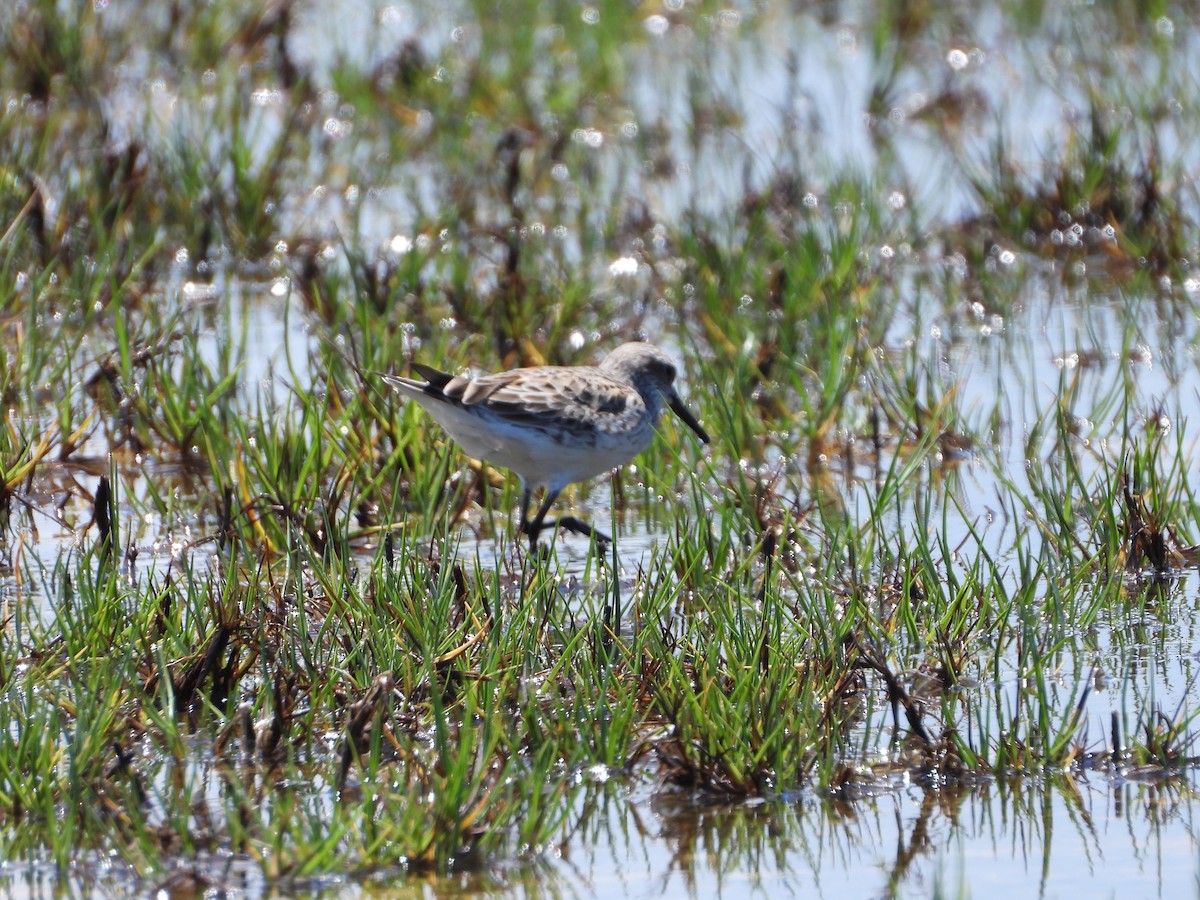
(534, 528)
(540, 523)
(526, 497)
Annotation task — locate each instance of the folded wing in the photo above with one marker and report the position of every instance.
(549, 398)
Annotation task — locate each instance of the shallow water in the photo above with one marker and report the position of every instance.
(801, 88)
(1053, 837)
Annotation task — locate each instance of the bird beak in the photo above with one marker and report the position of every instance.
(680, 410)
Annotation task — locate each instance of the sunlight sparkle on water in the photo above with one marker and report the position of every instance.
(589, 137)
(266, 97)
(657, 25)
(624, 265)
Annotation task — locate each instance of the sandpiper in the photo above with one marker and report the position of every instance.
(555, 425)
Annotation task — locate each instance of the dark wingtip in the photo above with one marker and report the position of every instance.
(435, 377)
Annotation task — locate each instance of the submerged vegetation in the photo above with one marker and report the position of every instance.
(263, 622)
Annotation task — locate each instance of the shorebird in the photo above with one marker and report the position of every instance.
(554, 425)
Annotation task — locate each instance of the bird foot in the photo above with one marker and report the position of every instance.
(577, 526)
(569, 523)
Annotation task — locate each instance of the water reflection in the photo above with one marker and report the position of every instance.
(1009, 837)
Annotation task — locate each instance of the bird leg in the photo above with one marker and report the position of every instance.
(526, 497)
(540, 522)
(534, 528)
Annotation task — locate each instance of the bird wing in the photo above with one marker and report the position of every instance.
(548, 397)
(435, 377)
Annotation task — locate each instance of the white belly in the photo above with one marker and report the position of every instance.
(542, 458)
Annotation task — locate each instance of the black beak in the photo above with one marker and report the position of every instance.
(689, 420)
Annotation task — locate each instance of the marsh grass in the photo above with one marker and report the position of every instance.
(285, 619)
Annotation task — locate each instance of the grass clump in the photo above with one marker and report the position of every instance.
(256, 609)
